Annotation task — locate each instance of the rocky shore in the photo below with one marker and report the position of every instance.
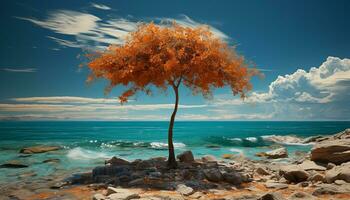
(324, 173)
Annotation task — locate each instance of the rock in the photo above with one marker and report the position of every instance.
(184, 190)
(294, 173)
(196, 195)
(59, 185)
(117, 161)
(301, 195)
(276, 185)
(208, 158)
(124, 196)
(274, 154)
(233, 177)
(51, 160)
(121, 194)
(341, 172)
(340, 182)
(330, 165)
(213, 175)
(99, 197)
(334, 151)
(262, 171)
(38, 149)
(227, 156)
(136, 182)
(186, 157)
(213, 146)
(317, 177)
(311, 165)
(272, 196)
(13, 164)
(330, 189)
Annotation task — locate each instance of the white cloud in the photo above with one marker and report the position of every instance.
(64, 99)
(100, 6)
(20, 70)
(65, 43)
(322, 84)
(67, 22)
(92, 32)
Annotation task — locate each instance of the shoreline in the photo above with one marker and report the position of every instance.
(308, 178)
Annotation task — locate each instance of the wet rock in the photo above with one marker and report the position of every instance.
(186, 157)
(38, 149)
(227, 156)
(334, 151)
(99, 197)
(272, 196)
(213, 175)
(341, 172)
(276, 185)
(184, 190)
(311, 165)
(274, 154)
(117, 161)
(294, 173)
(13, 164)
(208, 158)
(301, 196)
(52, 160)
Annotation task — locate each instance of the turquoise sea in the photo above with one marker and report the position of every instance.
(88, 144)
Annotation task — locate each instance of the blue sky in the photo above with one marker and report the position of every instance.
(302, 47)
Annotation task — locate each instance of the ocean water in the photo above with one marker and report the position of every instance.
(88, 144)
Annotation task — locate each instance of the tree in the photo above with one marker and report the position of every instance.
(170, 56)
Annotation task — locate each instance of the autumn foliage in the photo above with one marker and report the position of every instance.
(173, 55)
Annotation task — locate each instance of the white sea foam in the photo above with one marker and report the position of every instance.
(79, 153)
(252, 139)
(284, 139)
(240, 151)
(235, 139)
(161, 145)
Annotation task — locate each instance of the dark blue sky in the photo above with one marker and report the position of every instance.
(278, 36)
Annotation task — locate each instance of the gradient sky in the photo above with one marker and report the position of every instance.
(302, 47)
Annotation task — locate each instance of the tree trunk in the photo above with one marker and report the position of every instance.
(171, 159)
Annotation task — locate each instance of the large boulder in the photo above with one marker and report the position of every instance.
(39, 149)
(341, 172)
(294, 173)
(334, 151)
(186, 157)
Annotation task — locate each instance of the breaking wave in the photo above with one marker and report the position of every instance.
(79, 153)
